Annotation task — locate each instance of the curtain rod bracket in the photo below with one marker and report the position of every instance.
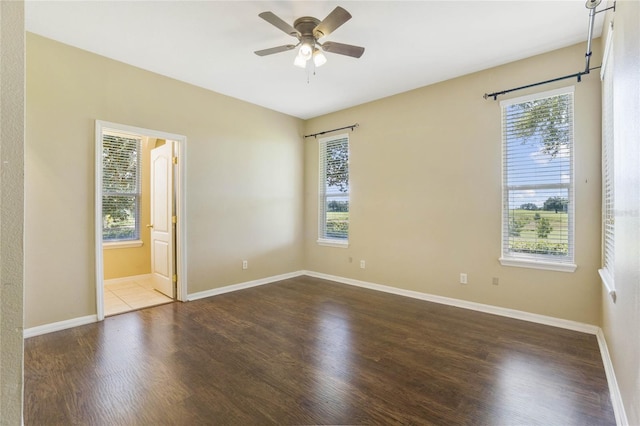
(315, 135)
(612, 7)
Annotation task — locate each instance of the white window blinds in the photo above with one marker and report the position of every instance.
(333, 191)
(537, 173)
(120, 187)
(608, 192)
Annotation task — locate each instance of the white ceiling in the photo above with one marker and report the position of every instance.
(408, 44)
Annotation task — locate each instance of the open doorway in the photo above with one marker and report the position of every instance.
(140, 250)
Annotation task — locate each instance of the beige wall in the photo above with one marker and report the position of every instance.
(621, 320)
(425, 171)
(421, 161)
(131, 261)
(12, 94)
(244, 182)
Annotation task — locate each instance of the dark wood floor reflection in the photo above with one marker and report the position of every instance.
(309, 351)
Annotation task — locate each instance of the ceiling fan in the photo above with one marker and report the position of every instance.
(308, 30)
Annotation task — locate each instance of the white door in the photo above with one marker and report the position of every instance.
(161, 218)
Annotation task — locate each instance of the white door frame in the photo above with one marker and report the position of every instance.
(181, 206)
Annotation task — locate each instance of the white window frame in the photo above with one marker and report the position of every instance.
(323, 238)
(136, 240)
(538, 261)
(606, 272)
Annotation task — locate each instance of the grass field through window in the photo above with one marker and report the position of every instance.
(337, 224)
(539, 231)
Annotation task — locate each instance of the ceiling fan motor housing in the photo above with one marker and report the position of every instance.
(305, 27)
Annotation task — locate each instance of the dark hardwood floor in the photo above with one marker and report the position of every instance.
(309, 351)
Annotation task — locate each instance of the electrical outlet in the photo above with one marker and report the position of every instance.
(362, 264)
(463, 278)
(245, 264)
(495, 281)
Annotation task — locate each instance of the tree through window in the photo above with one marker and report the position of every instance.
(538, 178)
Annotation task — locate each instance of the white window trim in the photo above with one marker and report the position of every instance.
(538, 95)
(122, 244)
(605, 273)
(538, 264)
(322, 240)
(607, 52)
(330, 242)
(608, 283)
(514, 260)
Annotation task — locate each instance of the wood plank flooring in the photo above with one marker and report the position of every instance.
(310, 351)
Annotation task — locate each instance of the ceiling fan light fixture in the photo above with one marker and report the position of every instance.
(299, 61)
(318, 58)
(305, 52)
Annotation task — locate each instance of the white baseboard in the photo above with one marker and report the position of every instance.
(614, 390)
(123, 279)
(242, 286)
(490, 309)
(60, 325)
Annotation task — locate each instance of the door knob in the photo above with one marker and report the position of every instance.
(149, 226)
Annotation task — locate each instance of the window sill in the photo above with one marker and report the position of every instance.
(122, 244)
(537, 264)
(333, 243)
(607, 280)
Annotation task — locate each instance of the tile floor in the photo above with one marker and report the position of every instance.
(131, 294)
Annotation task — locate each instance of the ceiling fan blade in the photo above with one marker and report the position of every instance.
(273, 50)
(271, 18)
(336, 18)
(343, 49)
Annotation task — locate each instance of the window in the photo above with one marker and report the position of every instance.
(538, 207)
(608, 199)
(120, 187)
(333, 191)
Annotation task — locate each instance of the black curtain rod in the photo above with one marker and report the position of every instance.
(353, 126)
(577, 75)
(591, 5)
